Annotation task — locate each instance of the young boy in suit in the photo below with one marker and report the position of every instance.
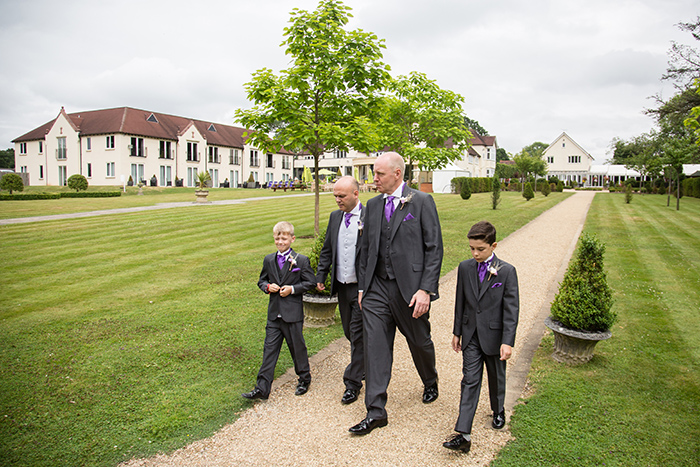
(285, 312)
(486, 317)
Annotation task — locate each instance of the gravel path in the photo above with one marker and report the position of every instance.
(312, 430)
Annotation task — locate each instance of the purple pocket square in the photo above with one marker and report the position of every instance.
(497, 284)
(296, 270)
(408, 217)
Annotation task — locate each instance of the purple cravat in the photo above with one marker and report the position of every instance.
(281, 259)
(389, 208)
(483, 267)
(348, 216)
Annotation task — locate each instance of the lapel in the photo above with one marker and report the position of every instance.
(474, 278)
(484, 286)
(399, 214)
(359, 231)
(286, 268)
(274, 269)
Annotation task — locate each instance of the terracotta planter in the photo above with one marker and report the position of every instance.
(319, 310)
(201, 196)
(573, 347)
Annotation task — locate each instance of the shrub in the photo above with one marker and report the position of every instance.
(313, 261)
(546, 189)
(584, 301)
(77, 182)
(29, 196)
(628, 194)
(495, 192)
(528, 194)
(691, 187)
(91, 194)
(11, 182)
(560, 186)
(466, 191)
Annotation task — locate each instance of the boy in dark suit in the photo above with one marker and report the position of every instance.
(285, 312)
(486, 318)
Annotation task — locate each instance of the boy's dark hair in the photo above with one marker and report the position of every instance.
(483, 231)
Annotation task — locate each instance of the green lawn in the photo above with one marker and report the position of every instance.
(131, 334)
(638, 401)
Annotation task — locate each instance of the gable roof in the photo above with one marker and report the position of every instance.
(571, 140)
(479, 140)
(130, 121)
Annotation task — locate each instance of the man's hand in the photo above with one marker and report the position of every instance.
(320, 286)
(359, 300)
(456, 343)
(273, 288)
(506, 351)
(420, 303)
(285, 290)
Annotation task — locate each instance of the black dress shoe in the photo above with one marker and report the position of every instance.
(499, 420)
(302, 388)
(458, 443)
(430, 393)
(254, 394)
(367, 425)
(350, 396)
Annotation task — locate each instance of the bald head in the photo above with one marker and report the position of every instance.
(346, 191)
(388, 172)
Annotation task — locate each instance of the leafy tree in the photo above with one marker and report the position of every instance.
(505, 170)
(495, 191)
(502, 155)
(7, 159)
(528, 193)
(11, 182)
(546, 188)
(474, 125)
(77, 182)
(423, 123)
(684, 60)
(529, 161)
(316, 104)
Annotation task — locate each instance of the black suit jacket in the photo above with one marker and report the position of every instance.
(416, 244)
(328, 257)
(300, 276)
(488, 308)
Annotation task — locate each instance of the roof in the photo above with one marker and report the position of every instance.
(479, 140)
(130, 121)
(571, 140)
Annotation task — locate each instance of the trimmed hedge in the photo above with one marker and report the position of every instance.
(84, 194)
(476, 184)
(691, 187)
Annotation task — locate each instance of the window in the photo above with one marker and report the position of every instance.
(191, 176)
(88, 143)
(233, 175)
(192, 152)
(214, 175)
(110, 169)
(212, 128)
(270, 162)
(165, 150)
(89, 170)
(137, 173)
(61, 152)
(338, 154)
(166, 175)
(110, 142)
(254, 161)
(574, 159)
(550, 159)
(488, 155)
(152, 118)
(214, 154)
(137, 148)
(41, 172)
(23, 148)
(285, 162)
(23, 169)
(41, 147)
(62, 174)
(563, 144)
(234, 158)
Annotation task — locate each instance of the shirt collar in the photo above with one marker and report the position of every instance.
(397, 193)
(286, 253)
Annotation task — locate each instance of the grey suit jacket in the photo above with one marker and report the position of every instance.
(328, 257)
(300, 276)
(490, 308)
(416, 244)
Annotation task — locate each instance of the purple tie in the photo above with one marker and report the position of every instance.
(281, 260)
(348, 216)
(482, 271)
(389, 208)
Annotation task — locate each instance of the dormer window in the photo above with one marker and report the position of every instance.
(212, 128)
(152, 118)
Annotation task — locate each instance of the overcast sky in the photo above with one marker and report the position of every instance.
(528, 70)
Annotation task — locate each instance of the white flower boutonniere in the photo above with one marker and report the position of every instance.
(360, 227)
(292, 261)
(405, 199)
(493, 269)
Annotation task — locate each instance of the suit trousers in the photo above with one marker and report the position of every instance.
(473, 361)
(384, 310)
(351, 318)
(275, 332)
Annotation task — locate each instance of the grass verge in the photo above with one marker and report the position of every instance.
(638, 401)
(132, 334)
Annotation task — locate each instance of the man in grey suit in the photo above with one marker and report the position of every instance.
(340, 251)
(400, 261)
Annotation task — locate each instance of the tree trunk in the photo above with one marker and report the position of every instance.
(317, 209)
(678, 193)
